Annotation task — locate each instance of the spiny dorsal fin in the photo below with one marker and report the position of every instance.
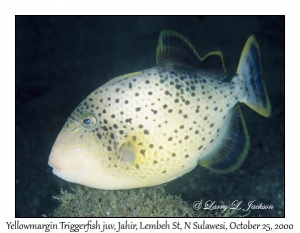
(174, 48)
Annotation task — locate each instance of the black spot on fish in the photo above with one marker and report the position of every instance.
(154, 111)
(99, 135)
(162, 81)
(138, 109)
(146, 132)
(168, 93)
(178, 87)
(130, 85)
(142, 152)
(128, 120)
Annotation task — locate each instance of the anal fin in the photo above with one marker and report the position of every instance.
(230, 151)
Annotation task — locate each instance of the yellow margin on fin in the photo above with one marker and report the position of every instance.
(229, 144)
(165, 49)
(266, 112)
(160, 48)
(219, 54)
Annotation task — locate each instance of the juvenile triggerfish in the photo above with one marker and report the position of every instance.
(152, 126)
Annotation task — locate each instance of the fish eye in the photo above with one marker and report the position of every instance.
(88, 120)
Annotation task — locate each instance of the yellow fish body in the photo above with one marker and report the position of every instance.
(152, 126)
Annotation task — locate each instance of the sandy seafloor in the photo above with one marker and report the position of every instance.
(60, 60)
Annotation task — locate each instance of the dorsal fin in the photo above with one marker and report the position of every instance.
(174, 49)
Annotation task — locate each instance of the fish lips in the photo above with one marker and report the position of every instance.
(56, 169)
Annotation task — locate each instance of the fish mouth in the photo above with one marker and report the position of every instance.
(55, 167)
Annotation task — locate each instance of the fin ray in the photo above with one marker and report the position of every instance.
(232, 147)
(249, 70)
(174, 49)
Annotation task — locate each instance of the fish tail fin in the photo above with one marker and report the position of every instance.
(249, 73)
(229, 153)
